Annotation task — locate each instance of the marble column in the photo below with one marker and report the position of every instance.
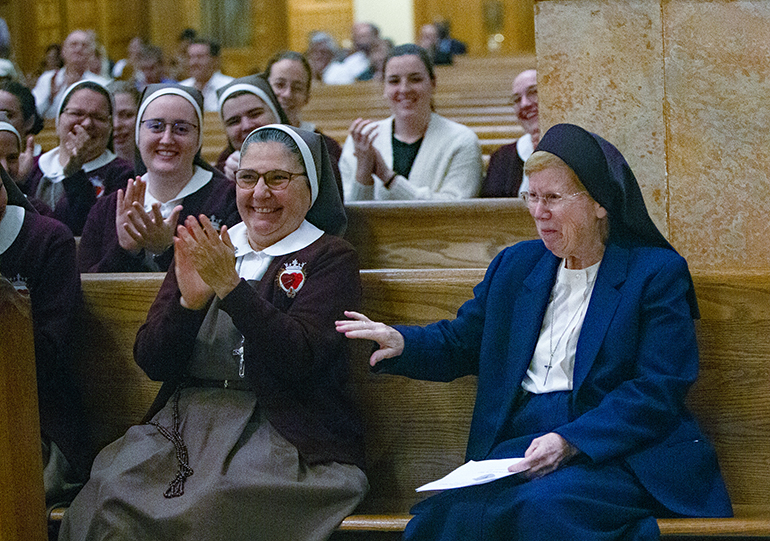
(682, 87)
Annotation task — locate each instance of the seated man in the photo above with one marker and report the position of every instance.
(77, 51)
(346, 71)
(505, 173)
(203, 56)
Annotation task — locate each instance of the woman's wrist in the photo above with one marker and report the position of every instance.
(390, 179)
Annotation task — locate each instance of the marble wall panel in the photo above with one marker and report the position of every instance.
(600, 65)
(718, 115)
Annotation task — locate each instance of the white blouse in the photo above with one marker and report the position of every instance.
(553, 362)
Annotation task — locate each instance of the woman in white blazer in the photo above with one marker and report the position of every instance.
(415, 153)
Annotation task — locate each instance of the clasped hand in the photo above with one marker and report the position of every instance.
(368, 158)
(139, 230)
(204, 262)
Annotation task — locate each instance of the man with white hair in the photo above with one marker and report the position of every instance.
(77, 51)
(505, 174)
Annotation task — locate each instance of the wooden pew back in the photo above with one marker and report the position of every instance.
(436, 234)
(416, 431)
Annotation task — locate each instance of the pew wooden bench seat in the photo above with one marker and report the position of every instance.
(416, 431)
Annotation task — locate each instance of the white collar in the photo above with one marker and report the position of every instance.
(524, 146)
(10, 226)
(252, 264)
(54, 171)
(577, 277)
(302, 237)
(200, 178)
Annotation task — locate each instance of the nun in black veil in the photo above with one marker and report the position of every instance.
(253, 434)
(584, 347)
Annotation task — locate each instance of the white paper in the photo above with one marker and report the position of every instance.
(473, 473)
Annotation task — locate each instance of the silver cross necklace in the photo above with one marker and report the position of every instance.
(553, 349)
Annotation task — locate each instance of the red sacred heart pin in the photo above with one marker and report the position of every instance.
(292, 278)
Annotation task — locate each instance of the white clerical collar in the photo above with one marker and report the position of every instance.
(10, 226)
(200, 178)
(524, 148)
(252, 264)
(577, 277)
(54, 171)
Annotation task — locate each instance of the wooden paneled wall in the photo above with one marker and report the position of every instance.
(473, 21)
(274, 24)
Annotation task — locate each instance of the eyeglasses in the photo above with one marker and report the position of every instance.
(550, 201)
(80, 116)
(274, 180)
(180, 127)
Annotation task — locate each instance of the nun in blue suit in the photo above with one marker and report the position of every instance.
(584, 347)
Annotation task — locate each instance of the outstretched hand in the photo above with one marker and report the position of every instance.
(359, 326)
(545, 455)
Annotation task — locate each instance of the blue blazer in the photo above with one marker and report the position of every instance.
(636, 358)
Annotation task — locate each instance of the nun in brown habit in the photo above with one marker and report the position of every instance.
(253, 435)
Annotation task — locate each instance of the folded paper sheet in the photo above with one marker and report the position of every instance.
(474, 473)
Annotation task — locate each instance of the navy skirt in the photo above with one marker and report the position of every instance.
(579, 501)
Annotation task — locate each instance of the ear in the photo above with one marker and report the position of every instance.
(600, 211)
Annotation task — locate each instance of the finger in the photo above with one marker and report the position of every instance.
(120, 197)
(194, 227)
(519, 467)
(208, 229)
(140, 187)
(157, 217)
(225, 236)
(30, 147)
(139, 218)
(173, 218)
(356, 315)
(380, 355)
(184, 234)
(133, 233)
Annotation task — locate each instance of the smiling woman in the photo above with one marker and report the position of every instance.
(254, 435)
(416, 153)
(71, 177)
(133, 231)
(245, 104)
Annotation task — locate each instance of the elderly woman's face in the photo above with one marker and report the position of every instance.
(169, 152)
(91, 110)
(269, 214)
(242, 115)
(572, 228)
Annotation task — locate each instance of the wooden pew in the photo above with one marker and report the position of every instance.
(467, 234)
(22, 500)
(416, 431)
